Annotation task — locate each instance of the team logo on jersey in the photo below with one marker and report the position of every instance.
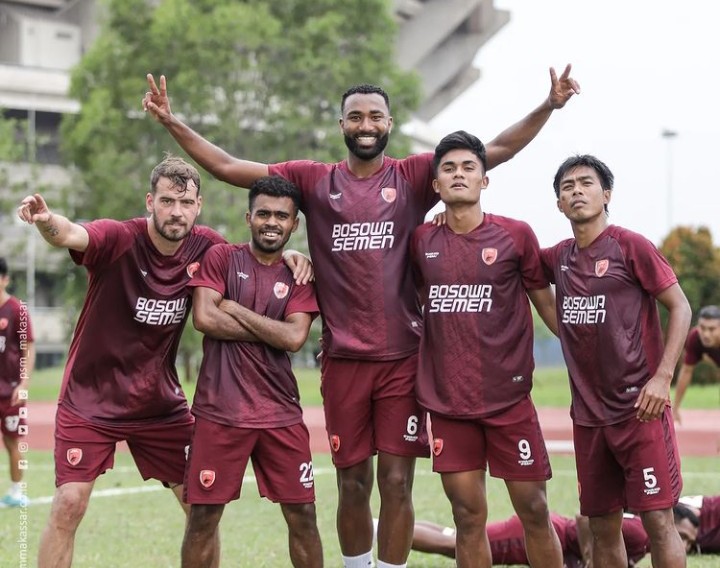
(601, 267)
(192, 269)
(489, 255)
(335, 442)
(438, 445)
(281, 290)
(207, 478)
(3, 323)
(335, 195)
(74, 456)
(242, 275)
(388, 194)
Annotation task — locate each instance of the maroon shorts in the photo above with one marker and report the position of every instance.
(631, 465)
(219, 454)
(510, 442)
(370, 406)
(84, 450)
(13, 418)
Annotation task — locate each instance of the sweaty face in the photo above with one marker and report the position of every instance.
(582, 198)
(709, 331)
(460, 177)
(366, 125)
(174, 209)
(272, 221)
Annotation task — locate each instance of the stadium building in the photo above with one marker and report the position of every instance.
(40, 42)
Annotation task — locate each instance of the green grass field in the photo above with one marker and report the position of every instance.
(129, 521)
(550, 388)
(141, 524)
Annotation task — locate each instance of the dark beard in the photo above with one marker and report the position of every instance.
(169, 236)
(369, 153)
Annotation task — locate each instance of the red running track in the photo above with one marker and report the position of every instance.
(699, 434)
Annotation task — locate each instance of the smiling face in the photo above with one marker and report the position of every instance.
(460, 178)
(581, 196)
(272, 221)
(366, 125)
(173, 209)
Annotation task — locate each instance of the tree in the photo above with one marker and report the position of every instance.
(260, 78)
(696, 262)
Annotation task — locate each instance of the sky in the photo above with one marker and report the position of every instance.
(644, 67)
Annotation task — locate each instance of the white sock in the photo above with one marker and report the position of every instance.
(382, 564)
(362, 561)
(15, 490)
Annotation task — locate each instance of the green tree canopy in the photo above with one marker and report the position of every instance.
(696, 262)
(260, 78)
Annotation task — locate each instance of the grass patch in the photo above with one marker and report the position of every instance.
(128, 530)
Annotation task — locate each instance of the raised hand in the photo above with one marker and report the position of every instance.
(562, 89)
(156, 101)
(33, 209)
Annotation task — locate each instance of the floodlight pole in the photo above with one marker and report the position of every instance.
(669, 135)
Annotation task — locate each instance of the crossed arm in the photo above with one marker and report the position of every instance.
(227, 320)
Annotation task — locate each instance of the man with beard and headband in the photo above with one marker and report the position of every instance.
(120, 381)
(246, 405)
(360, 214)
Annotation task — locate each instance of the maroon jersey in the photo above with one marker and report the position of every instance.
(637, 542)
(249, 384)
(121, 364)
(609, 325)
(708, 538)
(358, 233)
(15, 334)
(476, 351)
(694, 349)
(507, 539)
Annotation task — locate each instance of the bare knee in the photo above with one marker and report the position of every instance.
(69, 506)
(659, 525)
(300, 517)
(355, 483)
(533, 512)
(395, 480)
(468, 518)
(607, 530)
(204, 519)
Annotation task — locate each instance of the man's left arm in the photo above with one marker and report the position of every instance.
(654, 395)
(288, 334)
(514, 138)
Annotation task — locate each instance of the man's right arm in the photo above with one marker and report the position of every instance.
(683, 382)
(214, 159)
(211, 320)
(57, 230)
